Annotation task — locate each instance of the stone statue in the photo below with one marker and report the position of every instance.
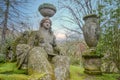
(48, 42)
(43, 38)
(40, 54)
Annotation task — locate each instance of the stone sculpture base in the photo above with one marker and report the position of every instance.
(56, 69)
(92, 63)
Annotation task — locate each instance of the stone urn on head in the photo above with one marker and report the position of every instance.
(91, 32)
(47, 10)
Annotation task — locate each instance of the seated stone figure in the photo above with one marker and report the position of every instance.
(42, 38)
(42, 55)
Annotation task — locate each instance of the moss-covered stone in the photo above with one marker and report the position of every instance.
(61, 67)
(92, 62)
(93, 72)
(22, 51)
(91, 54)
(38, 63)
(37, 76)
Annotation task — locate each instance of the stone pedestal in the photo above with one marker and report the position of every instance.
(91, 32)
(92, 63)
(38, 63)
(61, 67)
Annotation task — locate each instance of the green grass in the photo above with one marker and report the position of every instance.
(13, 77)
(77, 73)
(10, 68)
(8, 71)
(107, 77)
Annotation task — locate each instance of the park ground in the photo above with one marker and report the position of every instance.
(8, 71)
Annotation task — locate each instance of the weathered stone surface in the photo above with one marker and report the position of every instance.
(61, 67)
(47, 10)
(22, 51)
(92, 64)
(91, 30)
(38, 63)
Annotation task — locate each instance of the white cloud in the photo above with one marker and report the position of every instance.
(60, 36)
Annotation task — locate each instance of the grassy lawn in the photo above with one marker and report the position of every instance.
(77, 73)
(8, 71)
(10, 68)
(13, 77)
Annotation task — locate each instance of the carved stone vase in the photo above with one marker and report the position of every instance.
(91, 32)
(47, 10)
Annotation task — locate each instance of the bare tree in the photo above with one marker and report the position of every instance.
(78, 9)
(14, 13)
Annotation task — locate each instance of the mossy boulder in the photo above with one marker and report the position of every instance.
(22, 51)
(38, 63)
(61, 67)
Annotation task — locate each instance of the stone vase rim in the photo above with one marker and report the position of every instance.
(47, 6)
(90, 16)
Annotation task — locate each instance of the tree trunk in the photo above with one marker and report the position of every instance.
(5, 21)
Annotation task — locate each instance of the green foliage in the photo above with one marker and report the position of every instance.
(110, 38)
(2, 58)
(4, 49)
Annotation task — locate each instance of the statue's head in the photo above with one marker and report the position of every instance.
(46, 23)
